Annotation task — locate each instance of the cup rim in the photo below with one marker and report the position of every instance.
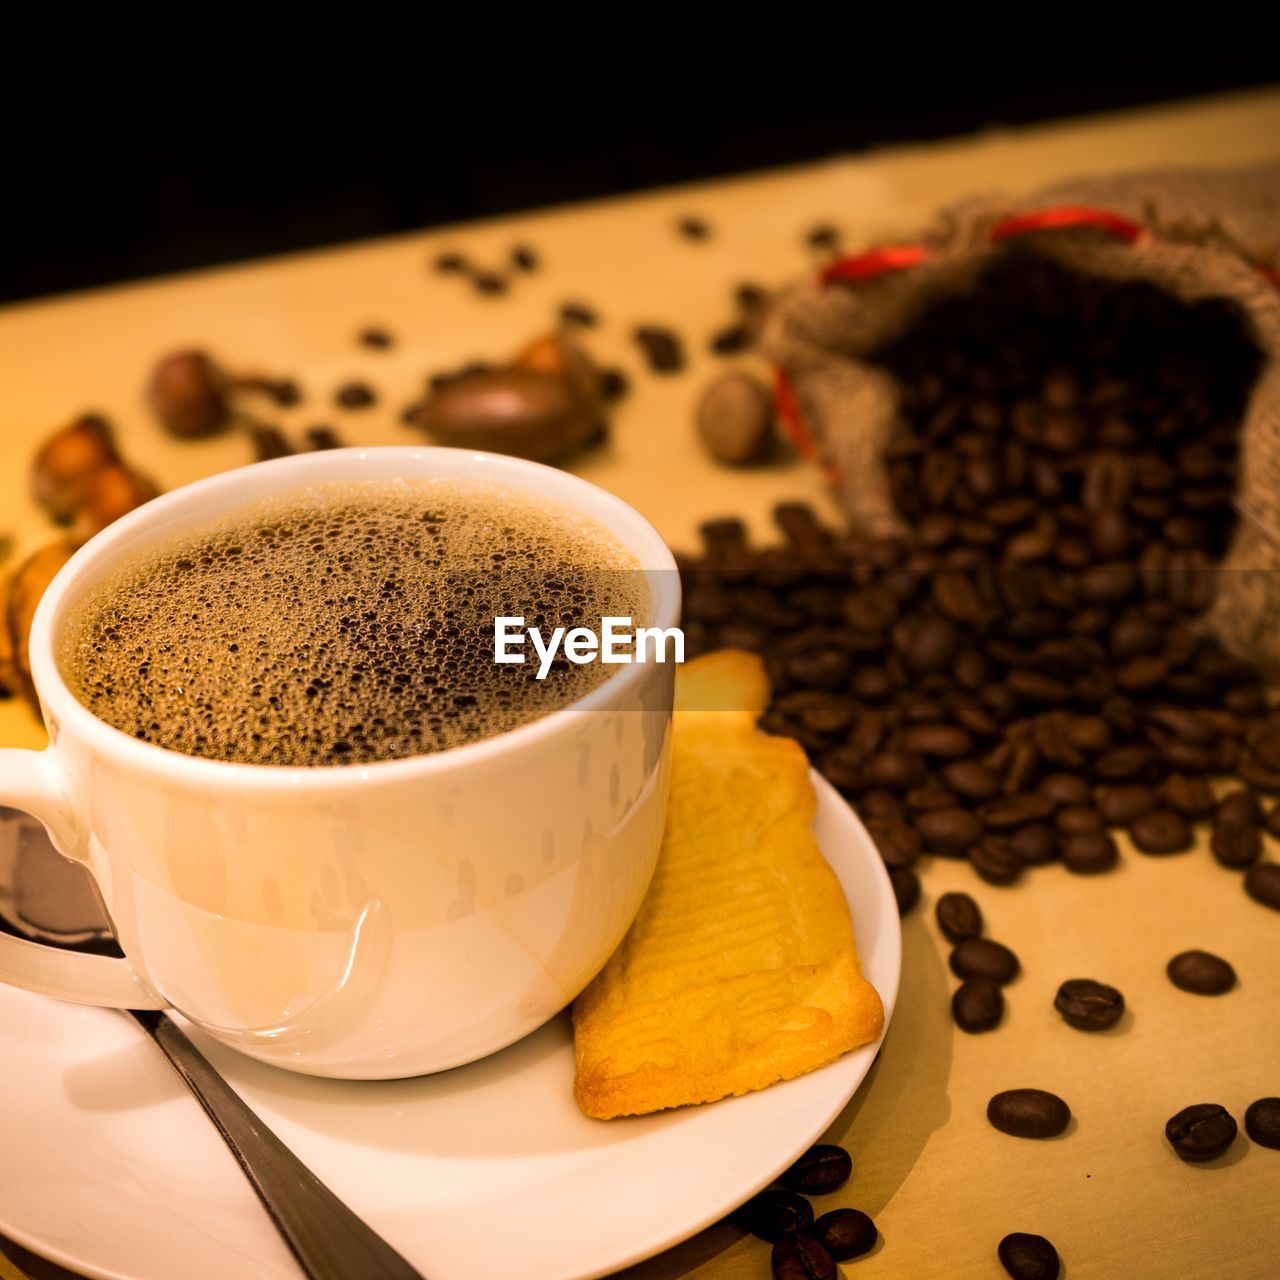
(62, 708)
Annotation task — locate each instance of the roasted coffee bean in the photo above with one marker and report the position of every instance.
(1066, 788)
(933, 795)
(1190, 796)
(524, 258)
(1201, 972)
(929, 644)
(323, 438)
(774, 1213)
(451, 264)
(801, 1257)
(895, 770)
(977, 1005)
(693, 228)
(1077, 820)
(1201, 1132)
(1123, 805)
(614, 384)
(1037, 842)
(971, 779)
(268, 443)
(730, 340)
(821, 1169)
(906, 888)
(845, 1233)
(1236, 844)
(1090, 734)
(995, 861)
(1121, 764)
(958, 916)
(1088, 853)
(1162, 831)
(1016, 811)
(951, 833)
(941, 741)
(983, 958)
(489, 283)
(1088, 1005)
(661, 347)
(1240, 808)
(579, 313)
(355, 395)
(1029, 1257)
(1262, 1122)
(376, 337)
(1028, 1113)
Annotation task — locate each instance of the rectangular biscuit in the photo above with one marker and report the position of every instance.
(740, 969)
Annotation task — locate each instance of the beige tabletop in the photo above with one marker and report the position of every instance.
(942, 1185)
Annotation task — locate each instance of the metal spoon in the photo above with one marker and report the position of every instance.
(328, 1240)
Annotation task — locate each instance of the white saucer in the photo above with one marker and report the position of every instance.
(489, 1171)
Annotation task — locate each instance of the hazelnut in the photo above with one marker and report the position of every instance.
(189, 394)
(23, 590)
(66, 463)
(111, 493)
(735, 420)
(556, 356)
(518, 411)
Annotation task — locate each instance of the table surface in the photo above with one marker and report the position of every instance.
(942, 1185)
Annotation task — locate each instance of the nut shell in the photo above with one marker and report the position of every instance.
(189, 394)
(67, 462)
(25, 586)
(111, 492)
(519, 411)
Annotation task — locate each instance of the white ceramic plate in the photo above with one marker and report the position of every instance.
(109, 1167)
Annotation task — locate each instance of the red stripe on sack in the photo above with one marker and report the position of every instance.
(875, 262)
(1068, 215)
(784, 398)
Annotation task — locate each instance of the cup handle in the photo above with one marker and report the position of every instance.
(32, 781)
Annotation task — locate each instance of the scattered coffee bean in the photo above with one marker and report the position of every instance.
(662, 348)
(994, 860)
(1272, 821)
(1201, 972)
(489, 283)
(1191, 796)
(950, 832)
(1028, 1113)
(268, 442)
(693, 228)
(801, 1257)
(823, 236)
(1262, 1123)
(1201, 1132)
(375, 337)
(1162, 831)
(355, 395)
(1029, 1257)
(775, 1212)
(971, 779)
(1239, 808)
(977, 1005)
(958, 916)
(846, 1233)
(735, 419)
(523, 258)
(451, 264)
(821, 1169)
(906, 888)
(1037, 842)
(579, 313)
(323, 438)
(1262, 884)
(1236, 844)
(730, 340)
(613, 385)
(983, 958)
(1088, 1005)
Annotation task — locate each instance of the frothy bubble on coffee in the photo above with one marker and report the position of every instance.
(346, 623)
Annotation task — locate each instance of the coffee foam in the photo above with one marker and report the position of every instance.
(346, 623)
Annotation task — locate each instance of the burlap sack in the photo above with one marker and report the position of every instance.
(1198, 234)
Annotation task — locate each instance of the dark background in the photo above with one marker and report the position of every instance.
(114, 177)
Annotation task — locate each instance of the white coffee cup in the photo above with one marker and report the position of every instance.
(358, 921)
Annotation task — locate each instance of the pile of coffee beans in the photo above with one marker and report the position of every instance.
(1022, 670)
